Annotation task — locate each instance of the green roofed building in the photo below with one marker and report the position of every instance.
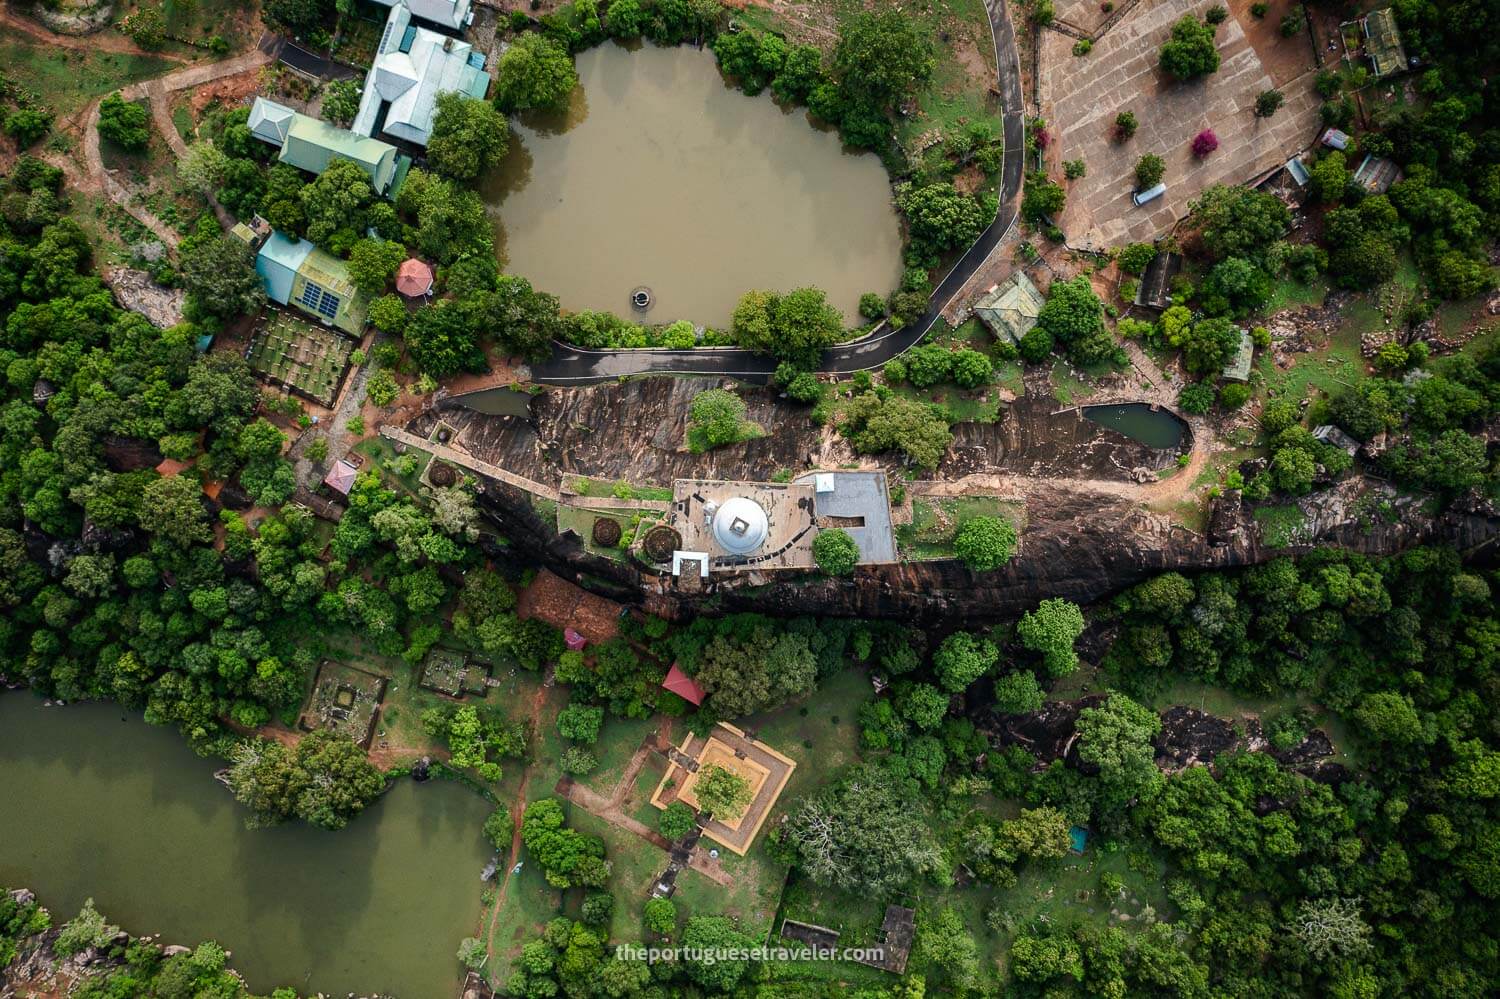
(299, 274)
(1238, 368)
(309, 144)
(1383, 43)
(1010, 310)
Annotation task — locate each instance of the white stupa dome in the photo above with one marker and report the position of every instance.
(740, 526)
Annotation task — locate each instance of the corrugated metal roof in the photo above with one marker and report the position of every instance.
(1011, 309)
(312, 144)
(269, 121)
(1383, 43)
(408, 77)
(277, 264)
(1238, 368)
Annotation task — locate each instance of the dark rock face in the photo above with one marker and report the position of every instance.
(130, 454)
(1190, 737)
(1084, 539)
(635, 430)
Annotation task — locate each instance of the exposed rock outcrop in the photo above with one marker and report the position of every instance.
(1086, 533)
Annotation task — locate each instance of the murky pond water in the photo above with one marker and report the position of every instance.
(1139, 421)
(662, 176)
(95, 802)
(496, 402)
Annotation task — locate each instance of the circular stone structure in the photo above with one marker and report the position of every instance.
(606, 532)
(740, 526)
(661, 541)
(442, 474)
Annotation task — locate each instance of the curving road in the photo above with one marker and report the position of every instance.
(570, 365)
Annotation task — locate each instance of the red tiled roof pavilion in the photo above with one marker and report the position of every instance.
(413, 278)
(682, 685)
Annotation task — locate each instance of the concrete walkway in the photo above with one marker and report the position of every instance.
(470, 462)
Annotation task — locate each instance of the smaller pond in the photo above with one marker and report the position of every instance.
(496, 402)
(1140, 421)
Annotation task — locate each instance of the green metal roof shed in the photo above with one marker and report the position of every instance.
(312, 144)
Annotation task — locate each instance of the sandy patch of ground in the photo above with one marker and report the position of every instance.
(228, 92)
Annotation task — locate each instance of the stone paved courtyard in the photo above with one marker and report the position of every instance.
(1082, 95)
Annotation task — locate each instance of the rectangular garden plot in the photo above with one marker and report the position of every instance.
(453, 673)
(344, 700)
(305, 359)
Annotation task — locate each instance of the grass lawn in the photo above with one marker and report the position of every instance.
(1059, 893)
(965, 405)
(1281, 525)
(1071, 385)
(618, 741)
(67, 79)
(1287, 293)
(1327, 369)
(751, 901)
(383, 452)
(580, 520)
(935, 521)
(585, 485)
(530, 902)
(635, 864)
(821, 734)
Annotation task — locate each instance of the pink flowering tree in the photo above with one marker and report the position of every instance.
(1204, 143)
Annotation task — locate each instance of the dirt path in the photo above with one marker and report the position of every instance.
(99, 42)
(517, 809)
(98, 179)
(610, 809)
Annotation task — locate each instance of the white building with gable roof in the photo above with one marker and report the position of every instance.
(412, 66)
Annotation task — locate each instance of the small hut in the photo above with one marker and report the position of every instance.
(683, 685)
(414, 278)
(340, 477)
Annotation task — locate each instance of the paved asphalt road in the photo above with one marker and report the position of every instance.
(571, 365)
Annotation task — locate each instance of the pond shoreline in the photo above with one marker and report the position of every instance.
(109, 797)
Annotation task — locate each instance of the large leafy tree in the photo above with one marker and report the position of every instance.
(940, 219)
(468, 136)
(125, 123)
(336, 205)
(753, 670)
(880, 58)
(835, 552)
(1190, 52)
(325, 779)
(220, 278)
(1118, 738)
(722, 792)
(796, 326)
(962, 659)
(443, 338)
(866, 832)
(534, 72)
(874, 424)
(1051, 630)
(715, 417)
(1073, 316)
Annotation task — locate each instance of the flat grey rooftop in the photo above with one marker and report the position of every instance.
(859, 504)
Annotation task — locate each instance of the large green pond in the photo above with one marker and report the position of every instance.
(95, 802)
(660, 175)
